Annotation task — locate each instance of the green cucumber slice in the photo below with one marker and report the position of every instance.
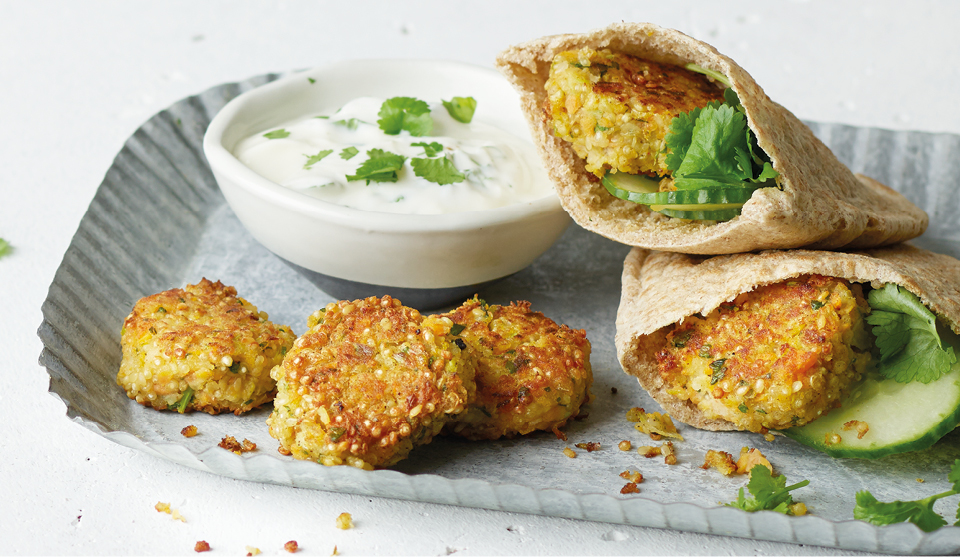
(700, 212)
(630, 186)
(901, 417)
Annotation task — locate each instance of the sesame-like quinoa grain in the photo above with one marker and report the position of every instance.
(861, 427)
(624, 445)
(669, 453)
(291, 546)
(252, 551)
(649, 451)
(589, 447)
(231, 444)
(174, 513)
(634, 477)
(201, 546)
(569, 452)
(189, 431)
(344, 521)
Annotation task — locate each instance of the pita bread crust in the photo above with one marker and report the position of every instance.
(821, 205)
(680, 285)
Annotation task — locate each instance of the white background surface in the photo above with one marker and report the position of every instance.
(77, 78)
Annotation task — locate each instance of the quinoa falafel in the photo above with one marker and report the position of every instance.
(532, 374)
(200, 348)
(368, 382)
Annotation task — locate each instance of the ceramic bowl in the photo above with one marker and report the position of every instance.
(426, 261)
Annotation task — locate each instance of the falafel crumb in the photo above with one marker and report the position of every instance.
(750, 458)
(560, 435)
(569, 452)
(861, 427)
(624, 445)
(669, 453)
(920, 480)
(189, 431)
(251, 551)
(344, 521)
(649, 451)
(629, 488)
(174, 513)
(291, 546)
(589, 447)
(654, 424)
(832, 439)
(632, 477)
(231, 444)
(721, 461)
(201, 546)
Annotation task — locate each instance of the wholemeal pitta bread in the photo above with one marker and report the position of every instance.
(677, 286)
(822, 205)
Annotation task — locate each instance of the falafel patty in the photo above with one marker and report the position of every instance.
(532, 374)
(616, 109)
(367, 383)
(774, 358)
(200, 348)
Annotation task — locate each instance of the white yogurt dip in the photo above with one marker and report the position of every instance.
(498, 168)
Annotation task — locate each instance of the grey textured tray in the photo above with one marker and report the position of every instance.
(159, 221)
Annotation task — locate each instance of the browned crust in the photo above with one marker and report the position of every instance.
(822, 204)
(679, 285)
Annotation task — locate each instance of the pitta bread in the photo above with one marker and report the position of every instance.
(822, 205)
(680, 285)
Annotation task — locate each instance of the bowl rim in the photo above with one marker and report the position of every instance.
(223, 161)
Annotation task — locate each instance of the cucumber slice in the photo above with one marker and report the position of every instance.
(705, 211)
(901, 417)
(630, 186)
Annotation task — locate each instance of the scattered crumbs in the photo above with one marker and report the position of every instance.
(861, 427)
(231, 444)
(613, 390)
(624, 445)
(251, 551)
(569, 452)
(174, 513)
(189, 431)
(721, 461)
(769, 437)
(335, 552)
(669, 454)
(201, 546)
(283, 451)
(920, 480)
(648, 451)
(560, 435)
(629, 488)
(632, 477)
(832, 439)
(291, 546)
(344, 521)
(654, 424)
(589, 447)
(750, 458)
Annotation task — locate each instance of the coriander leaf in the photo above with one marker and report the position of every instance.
(907, 337)
(405, 113)
(680, 137)
(314, 159)
(439, 170)
(350, 124)
(461, 109)
(431, 149)
(277, 134)
(770, 493)
(718, 135)
(4, 247)
(380, 166)
(348, 153)
(311, 80)
(918, 512)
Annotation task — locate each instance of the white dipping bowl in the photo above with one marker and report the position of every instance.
(426, 261)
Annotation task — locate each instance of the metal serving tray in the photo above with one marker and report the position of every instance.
(158, 221)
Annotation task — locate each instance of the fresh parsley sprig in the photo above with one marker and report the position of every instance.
(906, 333)
(919, 512)
(770, 493)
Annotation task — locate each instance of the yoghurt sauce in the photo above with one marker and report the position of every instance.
(499, 168)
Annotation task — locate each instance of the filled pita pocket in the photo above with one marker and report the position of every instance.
(855, 351)
(647, 144)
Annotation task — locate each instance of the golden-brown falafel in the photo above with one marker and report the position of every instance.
(370, 380)
(532, 374)
(200, 348)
